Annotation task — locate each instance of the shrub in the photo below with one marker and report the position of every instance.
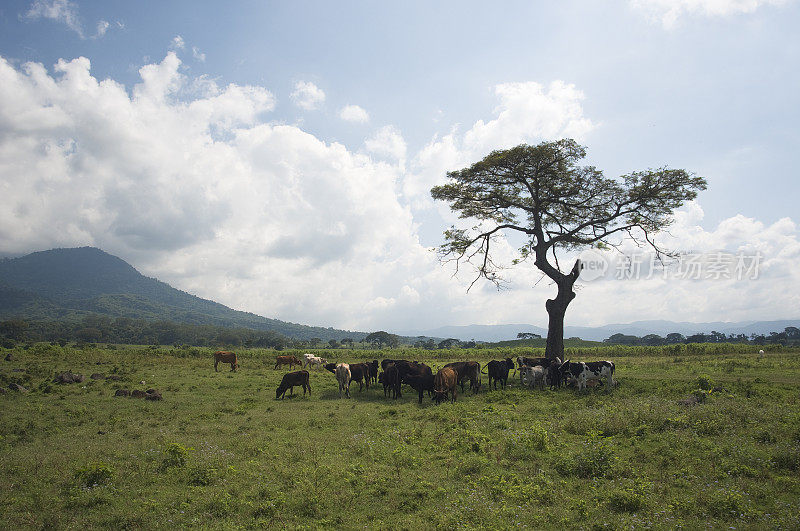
(526, 442)
(176, 455)
(94, 475)
(705, 383)
(629, 499)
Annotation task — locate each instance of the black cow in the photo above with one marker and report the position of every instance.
(373, 371)
(420, 383)
(498, 371)
(290, 380)
(390, 378)
(470, 370)
(360, 372)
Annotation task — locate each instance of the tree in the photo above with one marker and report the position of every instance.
(381, 338)
(541, 193)
(528, 335)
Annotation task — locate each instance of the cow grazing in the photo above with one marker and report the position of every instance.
(445, 382)
(532, 376)
(420, 383)
(225, 356)
(391, 381)
(286, 360)
(342, 372)
(290, 380)
(467, 370)
(330, 367)
(590, 370)
(498, 371)
(309, 361)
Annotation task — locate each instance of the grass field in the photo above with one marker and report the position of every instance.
(220, 452)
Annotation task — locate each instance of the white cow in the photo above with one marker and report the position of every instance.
(532, 376)
(343, 377)
(314, 360)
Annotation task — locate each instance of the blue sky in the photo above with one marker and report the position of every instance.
(326, 212)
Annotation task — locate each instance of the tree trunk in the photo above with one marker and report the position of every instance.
(556, 310)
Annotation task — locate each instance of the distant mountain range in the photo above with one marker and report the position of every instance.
(68, 284)
(494, 333)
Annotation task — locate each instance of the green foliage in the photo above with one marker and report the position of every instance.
(94, 475)
(175, 456)
(595, 459)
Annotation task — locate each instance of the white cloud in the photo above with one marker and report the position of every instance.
(178, 43)
(188, 180)
(387, 142)
(354, 113)
(669, 11)
(307, 95)
(198, 55)
(526, 113)
(62, 11)
(102, 28)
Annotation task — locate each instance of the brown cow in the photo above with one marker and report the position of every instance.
(286, 360)
(467, 370)
(291, 379)
(225, 356)
(445, 381)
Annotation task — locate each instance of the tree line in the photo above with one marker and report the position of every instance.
(789, 337)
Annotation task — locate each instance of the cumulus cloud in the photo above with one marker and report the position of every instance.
(354, 113)
(387, 142)
(669, 11)
(307, 95)
(189, 181)
(526, 112)
(178, 43)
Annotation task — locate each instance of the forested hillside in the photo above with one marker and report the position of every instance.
(70, 284)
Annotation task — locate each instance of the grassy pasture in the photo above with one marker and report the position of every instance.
(220, 452)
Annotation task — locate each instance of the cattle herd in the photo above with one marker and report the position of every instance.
(393, 374)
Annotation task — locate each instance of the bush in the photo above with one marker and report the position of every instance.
(176, 455)
(629, 499)
(94, 475)
(526, 442)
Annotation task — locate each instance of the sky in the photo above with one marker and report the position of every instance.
(278, 157)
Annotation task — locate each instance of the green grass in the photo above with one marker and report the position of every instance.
(219, 451)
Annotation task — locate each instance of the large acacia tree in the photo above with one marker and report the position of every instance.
(558, 206)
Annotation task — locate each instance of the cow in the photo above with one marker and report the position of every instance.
(391, 381)
(342, 372)
(420, 383)
(406, 368)
(532, 376)
(589, 370)
(331, 367)
(498, 371)
(445, 382)
(360, 373)
(553, 375)
(286, 360)
(467, 370)
(225, 356)
(373, 371)
(290, 380)
(314, 360)
(537, 362)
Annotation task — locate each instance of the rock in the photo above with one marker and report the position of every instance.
(138, 393)
(152, 394)
(97, 376)
(17, 387)
(122, 392)
(68, 378)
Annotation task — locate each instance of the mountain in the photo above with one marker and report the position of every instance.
(494, 333)
(68, 284)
